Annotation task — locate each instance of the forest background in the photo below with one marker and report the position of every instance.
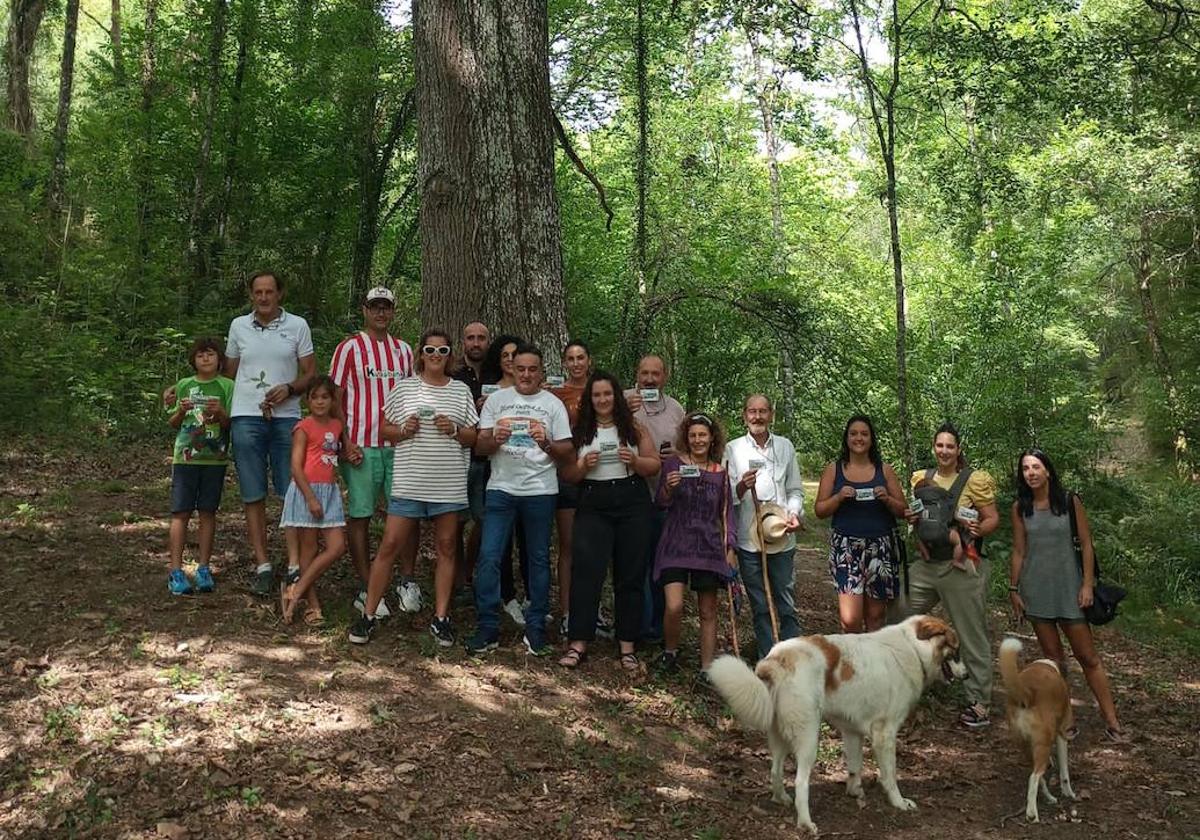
(753, 189)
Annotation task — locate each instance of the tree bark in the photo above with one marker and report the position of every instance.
(199, 220)
(246, 33)
(489, 223)
(145, 176)
(24, 19)
(1143, 275)
(114, 34)
(882, 104)
(66, 82)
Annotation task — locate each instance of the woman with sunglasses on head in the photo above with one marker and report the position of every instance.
(1046, 584)
(577, 365)
(431, 420)
(612, 521)
(699, 534)
(864, 497)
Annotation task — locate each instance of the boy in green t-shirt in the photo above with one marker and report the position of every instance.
(200, 413)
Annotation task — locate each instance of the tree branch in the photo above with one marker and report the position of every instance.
(565, 142)
(399, 202)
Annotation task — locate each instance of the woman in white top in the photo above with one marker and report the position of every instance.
(613, 519)
(432, 421)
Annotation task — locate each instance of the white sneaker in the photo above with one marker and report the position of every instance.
(409, 593)
(513, 608)
(381, 611)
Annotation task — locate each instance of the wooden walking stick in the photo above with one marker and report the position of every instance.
(766, 574)
(733, 634)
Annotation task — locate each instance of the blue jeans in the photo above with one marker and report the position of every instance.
(652, 592)
(782, 568)
(257, 440)
(536, 515)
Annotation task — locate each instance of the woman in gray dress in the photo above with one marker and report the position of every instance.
(1046, 584)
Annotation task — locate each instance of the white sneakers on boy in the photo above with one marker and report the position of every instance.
(409, 593)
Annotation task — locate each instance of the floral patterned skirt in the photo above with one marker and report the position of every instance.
(864, 566)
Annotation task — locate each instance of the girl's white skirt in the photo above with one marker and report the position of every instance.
(297, 515)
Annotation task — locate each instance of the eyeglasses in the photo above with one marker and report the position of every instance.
(274, 325)
(700, 418)
(431, 350)
(380, 306)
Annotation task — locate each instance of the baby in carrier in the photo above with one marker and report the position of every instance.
(940, 535)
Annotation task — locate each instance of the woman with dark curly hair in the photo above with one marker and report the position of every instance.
(612, 521)
(1046, 583)
(699, 534)
(497, 372)
(864, 497)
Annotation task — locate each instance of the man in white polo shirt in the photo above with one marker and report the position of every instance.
(365, 368)
(269, 357)
(763, 465)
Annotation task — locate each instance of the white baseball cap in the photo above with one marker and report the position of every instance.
(381, 293)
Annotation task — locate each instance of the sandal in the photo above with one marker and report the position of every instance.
(573, 658)
(313, 616)
(1071, 733)
(630, 663)
(1117, 736)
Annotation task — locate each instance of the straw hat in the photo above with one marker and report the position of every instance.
(774, 520)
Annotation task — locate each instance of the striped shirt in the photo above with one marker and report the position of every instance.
(430, 466)
(366, 370)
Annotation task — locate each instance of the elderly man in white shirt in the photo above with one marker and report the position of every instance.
(763, 465)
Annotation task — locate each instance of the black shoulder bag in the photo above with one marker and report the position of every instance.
(1106, 598)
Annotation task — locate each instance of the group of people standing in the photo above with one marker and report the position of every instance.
(631, 481)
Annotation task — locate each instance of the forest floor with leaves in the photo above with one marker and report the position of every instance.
(125, 712)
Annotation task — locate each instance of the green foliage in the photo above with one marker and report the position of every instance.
(1048, 196)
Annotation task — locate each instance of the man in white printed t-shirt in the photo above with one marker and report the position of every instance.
(269, 357)
(526, 433)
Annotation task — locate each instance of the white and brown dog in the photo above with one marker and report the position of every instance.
(1039, 716)
(863, 684)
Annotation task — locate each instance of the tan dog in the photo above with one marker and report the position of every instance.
(865, 684)
(1039, 716)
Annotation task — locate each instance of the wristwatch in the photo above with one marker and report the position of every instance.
(291, 390)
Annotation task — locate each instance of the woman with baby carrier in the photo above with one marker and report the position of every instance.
(953, 508)
(864, 497)
(1049, 586)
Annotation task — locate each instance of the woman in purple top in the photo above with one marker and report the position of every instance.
(698, 536)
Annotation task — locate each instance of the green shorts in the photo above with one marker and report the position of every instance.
(370, 481)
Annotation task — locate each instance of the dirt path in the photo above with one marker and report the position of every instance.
(125, 713)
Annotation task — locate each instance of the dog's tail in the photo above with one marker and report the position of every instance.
(746, 694)
(1010, 649)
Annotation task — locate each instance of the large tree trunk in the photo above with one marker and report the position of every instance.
(490, 237)
(66, 81)
(24, 18)
(199, 220)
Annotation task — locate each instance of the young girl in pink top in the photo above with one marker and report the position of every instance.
(313, 504)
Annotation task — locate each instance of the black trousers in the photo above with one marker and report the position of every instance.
(612, 525)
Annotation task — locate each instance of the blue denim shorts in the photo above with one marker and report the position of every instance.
(196, 487)
(415, 509)
(257, 441)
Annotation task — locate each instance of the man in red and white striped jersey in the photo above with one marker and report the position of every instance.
(365, 367)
